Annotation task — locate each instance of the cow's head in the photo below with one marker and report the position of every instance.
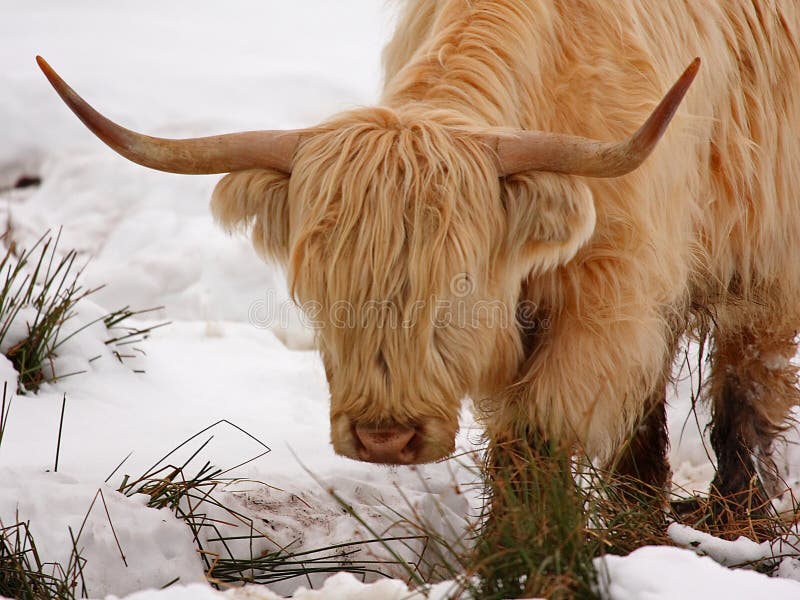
(405, 244)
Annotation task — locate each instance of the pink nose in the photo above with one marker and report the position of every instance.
(388, 445)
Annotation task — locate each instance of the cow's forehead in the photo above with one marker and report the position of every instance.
(392, 212)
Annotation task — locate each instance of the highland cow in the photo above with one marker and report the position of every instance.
(499, 168)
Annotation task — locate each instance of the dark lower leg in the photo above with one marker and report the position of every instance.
(753, 388)
(746, 475)
(642, 464)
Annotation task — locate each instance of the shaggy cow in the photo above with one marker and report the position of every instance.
(448, 201)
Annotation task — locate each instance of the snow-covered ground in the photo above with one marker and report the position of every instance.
(236, 351)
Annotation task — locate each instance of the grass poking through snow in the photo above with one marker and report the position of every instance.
(234, 545)
(23, 574)
(39, 291)
(37, 279)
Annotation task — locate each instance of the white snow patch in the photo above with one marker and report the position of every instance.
(157, 547)
(664, 573)
(734, 553)
(342, 586)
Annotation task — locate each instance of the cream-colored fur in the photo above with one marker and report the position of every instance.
(394, 203)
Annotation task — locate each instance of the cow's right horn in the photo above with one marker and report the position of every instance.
(573, 155)
(214, 154)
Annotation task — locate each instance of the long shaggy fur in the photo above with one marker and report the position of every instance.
(395, 203)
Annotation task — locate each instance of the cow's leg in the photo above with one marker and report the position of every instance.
(753, 388)
(641, 465)
(534, 504)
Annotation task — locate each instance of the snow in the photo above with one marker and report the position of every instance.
(342, 586)
(741, 551)
(235, 355)
(155, 544)
(655, 573)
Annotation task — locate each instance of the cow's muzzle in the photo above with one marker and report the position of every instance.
(392, 443)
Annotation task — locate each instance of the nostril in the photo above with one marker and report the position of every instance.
(394, 445)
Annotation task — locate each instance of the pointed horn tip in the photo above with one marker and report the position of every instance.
(684, 82)
(48, 71)
(691, 71)
(687, 78)
(650, 133)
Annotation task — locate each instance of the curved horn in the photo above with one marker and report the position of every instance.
(214, 154)
(561, 153)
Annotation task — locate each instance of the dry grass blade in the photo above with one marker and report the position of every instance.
(5, 410)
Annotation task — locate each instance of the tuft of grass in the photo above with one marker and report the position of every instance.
(723, 517)
(37, 278)
(532, 541)
(620, 518)
(227, 539)
(281, 565)
(23, 574)
(41, 279)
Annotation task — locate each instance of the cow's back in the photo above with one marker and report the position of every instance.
(718, 204)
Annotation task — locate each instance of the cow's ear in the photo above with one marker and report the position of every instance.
(256, 201)
(550, 216)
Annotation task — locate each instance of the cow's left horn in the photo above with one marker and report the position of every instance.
(561, 153)
(215, 154)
